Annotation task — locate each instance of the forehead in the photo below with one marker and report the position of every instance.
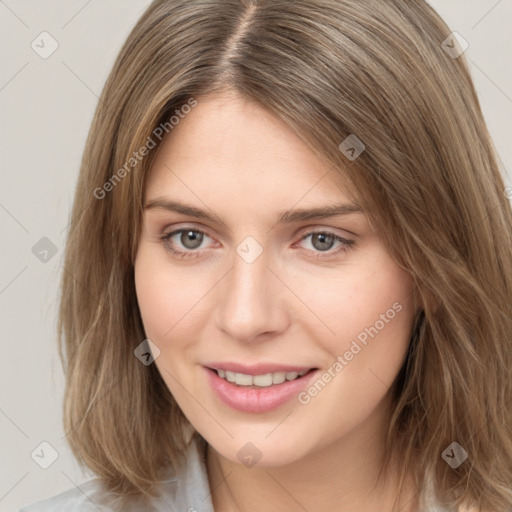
(228, 148)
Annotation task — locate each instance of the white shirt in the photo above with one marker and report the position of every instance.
(188, 491)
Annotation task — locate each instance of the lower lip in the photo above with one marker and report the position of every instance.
(256, 400)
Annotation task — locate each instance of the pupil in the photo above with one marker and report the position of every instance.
(197, 238)
(322, 237)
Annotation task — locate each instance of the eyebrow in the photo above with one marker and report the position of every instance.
(287, 217)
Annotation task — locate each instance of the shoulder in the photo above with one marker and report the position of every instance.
(83, 498)
(186, 490)
(472, 509)
(430, 502)
(92, 496)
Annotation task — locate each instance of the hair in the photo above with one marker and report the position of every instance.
(428, 180)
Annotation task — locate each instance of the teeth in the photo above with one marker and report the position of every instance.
(243, 380)
(269, 379)
(262, 380)
(278, 377)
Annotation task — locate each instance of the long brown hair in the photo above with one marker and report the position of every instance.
(428, 180)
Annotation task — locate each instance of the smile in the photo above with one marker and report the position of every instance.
(255, 381)
(258, 392)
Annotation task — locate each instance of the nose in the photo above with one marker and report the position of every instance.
(251, 301)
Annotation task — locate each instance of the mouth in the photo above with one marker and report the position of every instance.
(257, 390)
(263, 380)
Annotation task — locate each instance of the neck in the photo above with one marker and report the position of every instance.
(342, 476)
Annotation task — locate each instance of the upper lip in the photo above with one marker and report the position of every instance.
(256, 369)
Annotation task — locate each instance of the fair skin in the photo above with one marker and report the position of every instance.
(234, 159)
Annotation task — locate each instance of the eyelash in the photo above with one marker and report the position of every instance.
(165, 239)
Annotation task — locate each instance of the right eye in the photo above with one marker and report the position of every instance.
(188, 238)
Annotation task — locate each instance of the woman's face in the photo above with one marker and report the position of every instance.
(261, 290)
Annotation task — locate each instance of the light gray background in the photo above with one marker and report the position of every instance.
(46, 109)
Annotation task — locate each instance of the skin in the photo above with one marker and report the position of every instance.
(231, 157)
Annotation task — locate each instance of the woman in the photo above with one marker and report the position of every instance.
(291, 284)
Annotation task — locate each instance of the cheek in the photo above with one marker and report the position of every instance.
(367, 313)
(169, 299)
(371, 310)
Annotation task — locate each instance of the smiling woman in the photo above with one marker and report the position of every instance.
(302, 295)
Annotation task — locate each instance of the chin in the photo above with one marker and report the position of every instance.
(260, 450)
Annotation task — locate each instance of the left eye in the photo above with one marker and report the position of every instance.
(322, 241)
